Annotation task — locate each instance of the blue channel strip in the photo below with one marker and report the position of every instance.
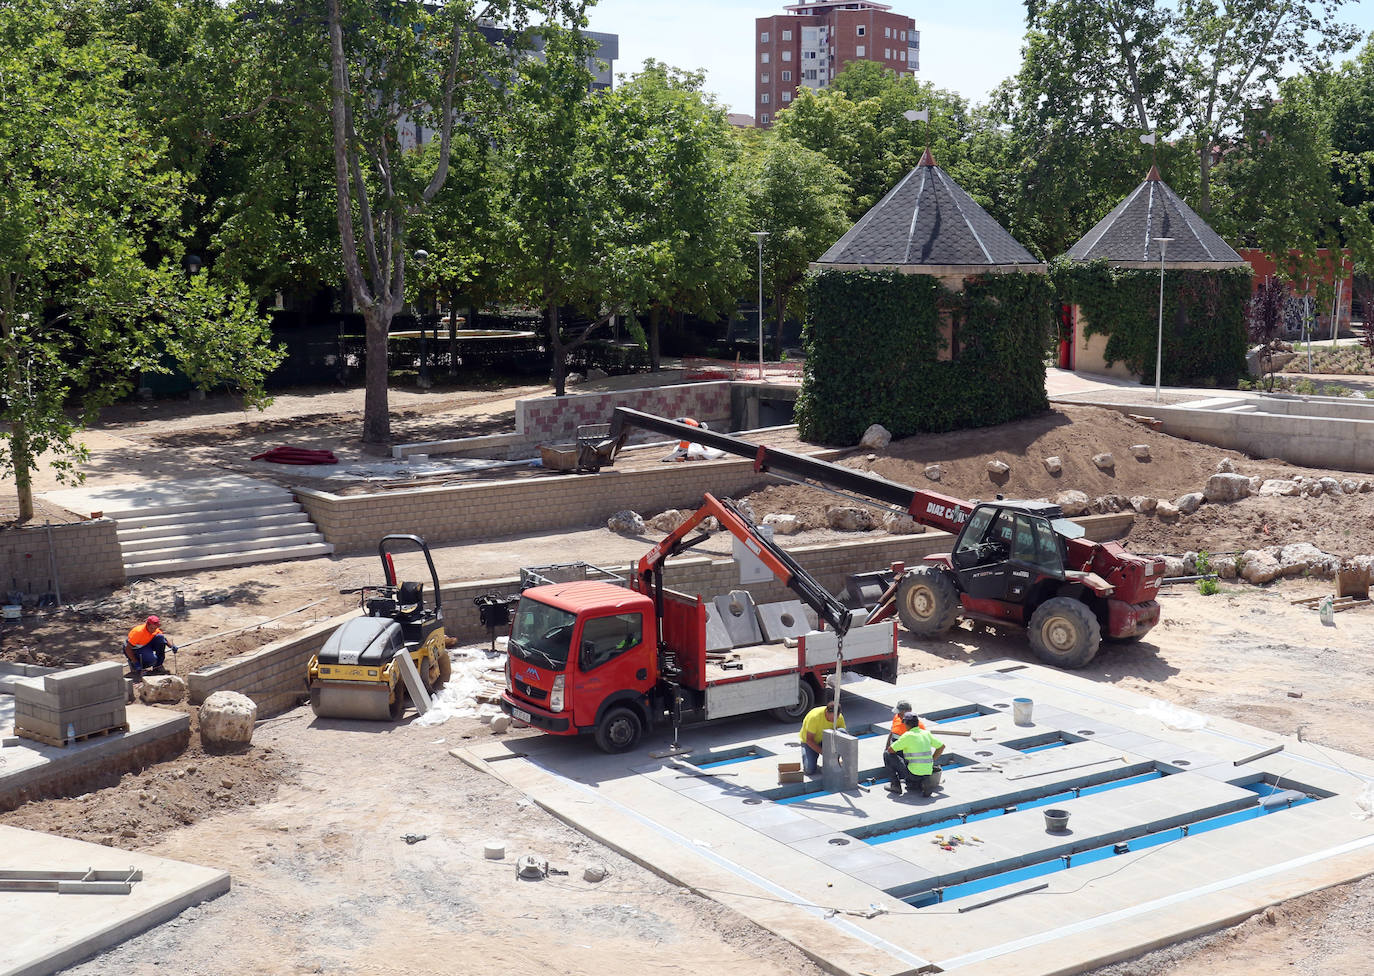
(1000, 880)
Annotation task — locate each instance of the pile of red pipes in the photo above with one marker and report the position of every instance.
(297, 455)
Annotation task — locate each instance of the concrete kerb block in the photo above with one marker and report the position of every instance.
(839, 761)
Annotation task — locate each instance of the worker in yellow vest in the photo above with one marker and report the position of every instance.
(911, 759)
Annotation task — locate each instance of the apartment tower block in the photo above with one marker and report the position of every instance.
(810, 43)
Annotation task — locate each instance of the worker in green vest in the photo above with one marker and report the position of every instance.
(911, 759)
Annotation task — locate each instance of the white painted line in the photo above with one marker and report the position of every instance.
(1110, 918)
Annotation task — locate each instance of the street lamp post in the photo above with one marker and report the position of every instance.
(759, 235)
(1163, 243)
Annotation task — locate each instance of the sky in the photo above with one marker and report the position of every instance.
(968, 47)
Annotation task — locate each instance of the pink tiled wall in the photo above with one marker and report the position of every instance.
(557, 418)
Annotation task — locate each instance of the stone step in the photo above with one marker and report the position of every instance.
(187, 550)
(242, 538)
(207, 525)
(196, 501)
(134, 521)
(239, 558)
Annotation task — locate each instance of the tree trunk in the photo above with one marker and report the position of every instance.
(23, 473)
(453, 334)
(655, 315)
(777, 334)
(558, 368)
(1204, 200)
(376, 412)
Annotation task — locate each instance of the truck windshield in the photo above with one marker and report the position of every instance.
(542, 634)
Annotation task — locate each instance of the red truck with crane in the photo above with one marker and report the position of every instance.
(594, 656)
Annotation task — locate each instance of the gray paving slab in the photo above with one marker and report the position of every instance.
(784, 619)
(815, 851)
(61, 929)
(738, 615)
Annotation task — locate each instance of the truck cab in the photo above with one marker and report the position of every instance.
(579, 651)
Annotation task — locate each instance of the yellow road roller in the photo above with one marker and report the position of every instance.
(357, 673)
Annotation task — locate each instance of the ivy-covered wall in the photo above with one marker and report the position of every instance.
(873, 340)
(1204, 318)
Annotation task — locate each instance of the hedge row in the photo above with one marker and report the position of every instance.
(1204, 318)
(873, 338)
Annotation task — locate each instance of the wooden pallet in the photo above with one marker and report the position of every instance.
(48, 740)
(1338, 604)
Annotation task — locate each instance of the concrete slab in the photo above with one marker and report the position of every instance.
(59, 930)
(830, 871)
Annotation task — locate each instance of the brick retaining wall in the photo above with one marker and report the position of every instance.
(274, 676)
(87, 555)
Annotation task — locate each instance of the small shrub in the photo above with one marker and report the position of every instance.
(1208, 587)
(1335, 390)
(1203, 563)
(1305, 387)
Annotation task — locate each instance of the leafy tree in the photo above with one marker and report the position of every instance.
(1264, 323)
(675, 227)
(87, 203)
(797, 196)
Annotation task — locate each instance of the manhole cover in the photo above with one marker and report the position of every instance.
(1182, 762)
(753, 800)
(838, 841)
(1000, 705)
(1086, 732)
(982, 752)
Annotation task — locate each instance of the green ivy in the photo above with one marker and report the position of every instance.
(1204, 318)
(872, 341)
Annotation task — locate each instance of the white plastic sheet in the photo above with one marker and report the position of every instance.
(1173, 717)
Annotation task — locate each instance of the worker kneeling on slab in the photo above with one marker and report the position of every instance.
(813, 732)
(911, 759)
(146, 649)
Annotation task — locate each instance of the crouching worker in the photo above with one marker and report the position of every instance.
(813, 732)
(146, 649)
(911, 759)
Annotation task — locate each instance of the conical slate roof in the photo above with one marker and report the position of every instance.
(927, 221)
(1126, 235)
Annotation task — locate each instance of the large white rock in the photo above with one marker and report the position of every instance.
(1259, 565)
(932, 472)
(1226, 488)
(1104, 461)
(1278, 488)
(876, 437)
(1053, 465)
(1141, 452)
(1303, 557)
(668, 521)
(161, 689)
(846, 518)
(626, 523)
(1174, 567)
(900, 523)
(1144, 504)
(1073, 502)
(782, 523)
(1189, 503)
(1350, 486)
(1224, 466)
(744, 508)
(998, 468)
(1224, 566)
(226, 720)
(1330, 486)
(1166, 511)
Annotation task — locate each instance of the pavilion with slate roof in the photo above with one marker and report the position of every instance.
(1125, 238)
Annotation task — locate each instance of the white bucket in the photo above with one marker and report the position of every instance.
(1021, 711)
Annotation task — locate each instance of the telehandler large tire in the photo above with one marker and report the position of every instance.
(927, 601)
(1064, 632)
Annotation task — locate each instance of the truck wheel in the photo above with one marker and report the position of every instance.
(806, 700)
(1064, 632)
(927, 601)
(619, 730)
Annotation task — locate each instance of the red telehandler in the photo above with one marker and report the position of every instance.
(1017, 563)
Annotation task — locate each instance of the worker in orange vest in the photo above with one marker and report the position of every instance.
(899, 728)
(146, 648)
(680, 453)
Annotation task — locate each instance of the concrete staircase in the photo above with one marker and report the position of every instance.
(173, 527)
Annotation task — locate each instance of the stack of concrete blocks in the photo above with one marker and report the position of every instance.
(67, 705)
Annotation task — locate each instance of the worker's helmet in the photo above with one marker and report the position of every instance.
(910, 718)
(153, 621)
(902, 707)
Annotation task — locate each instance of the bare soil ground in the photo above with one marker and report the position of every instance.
(325, 882)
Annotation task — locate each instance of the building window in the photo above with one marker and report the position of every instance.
(858, 51)
(887, 54)
(809, 55)
(763, 38)
(763, 99)
(901, 55)
(763, 79)
(903, 35)
(787, 96)
(787, 76)
(787, 35)
(887, 32)
(859, 30)
(809, 74)
(787, 55)
(765, 118)
(764, 57)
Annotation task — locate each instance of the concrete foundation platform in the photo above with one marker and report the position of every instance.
(30, 770)
(1177, 825)
(48, 931)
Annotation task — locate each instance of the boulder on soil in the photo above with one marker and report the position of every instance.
(782, 523)
(844, 518)
(1166, 511)
(876, 437)
(1350, 486)
(1255, 485)
(900, 523)
(1311, 487)
(161, 689)
(1144, 504)
(1279, 488)
(932, 472)
(626, 523)
(1330, 486)
(1189, 563)
(1073, 503)
(998, 469)
(596, 374)
(1054, 466)
(1189, 503)
(1224, 466)
(1141, 452)
(1366, 486)
(1224, 567)
(1259, 565)
(744, 508)
(226, 720)
(1104, 461)
(1303, 558)
(1174, 567)
(573, 379)
(1226, 488)
(668, 521)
